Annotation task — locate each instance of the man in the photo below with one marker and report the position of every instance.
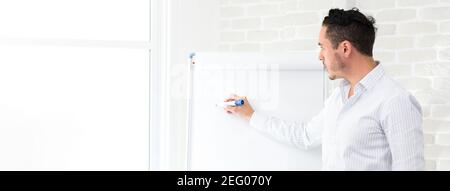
(368, 123)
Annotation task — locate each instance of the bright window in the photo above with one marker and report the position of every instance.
(74, 84)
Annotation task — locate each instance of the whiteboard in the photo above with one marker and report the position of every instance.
(289, 86)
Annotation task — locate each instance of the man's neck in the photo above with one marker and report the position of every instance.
(360, 68)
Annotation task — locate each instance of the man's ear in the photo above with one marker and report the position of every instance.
(346, 48)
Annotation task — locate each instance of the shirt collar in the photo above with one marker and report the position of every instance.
(370, 79)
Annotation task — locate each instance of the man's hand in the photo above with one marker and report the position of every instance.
(245, 111)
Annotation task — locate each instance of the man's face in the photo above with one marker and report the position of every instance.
(329, 56)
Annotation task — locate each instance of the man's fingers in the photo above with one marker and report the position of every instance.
(232, 97)
(233, 109)
(230, 109)
(228, 99)
(245, 111)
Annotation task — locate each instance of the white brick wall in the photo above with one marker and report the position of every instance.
(413, 43)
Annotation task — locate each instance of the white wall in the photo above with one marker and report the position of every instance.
(413, 43)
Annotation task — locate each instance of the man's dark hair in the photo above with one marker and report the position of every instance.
(353, 26)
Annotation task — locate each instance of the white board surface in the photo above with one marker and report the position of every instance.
(289, 86)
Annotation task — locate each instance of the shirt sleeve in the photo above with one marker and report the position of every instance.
(299, 134)
(402, 125)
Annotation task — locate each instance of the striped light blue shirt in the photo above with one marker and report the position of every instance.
(378, 128)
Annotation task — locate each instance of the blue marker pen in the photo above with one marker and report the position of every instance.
(239, 102)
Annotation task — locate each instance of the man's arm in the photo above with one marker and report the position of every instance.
(299, 134)
(402, 124)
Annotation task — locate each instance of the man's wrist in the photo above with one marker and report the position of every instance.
(249, 116)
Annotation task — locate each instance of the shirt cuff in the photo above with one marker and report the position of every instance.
(258, 121)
